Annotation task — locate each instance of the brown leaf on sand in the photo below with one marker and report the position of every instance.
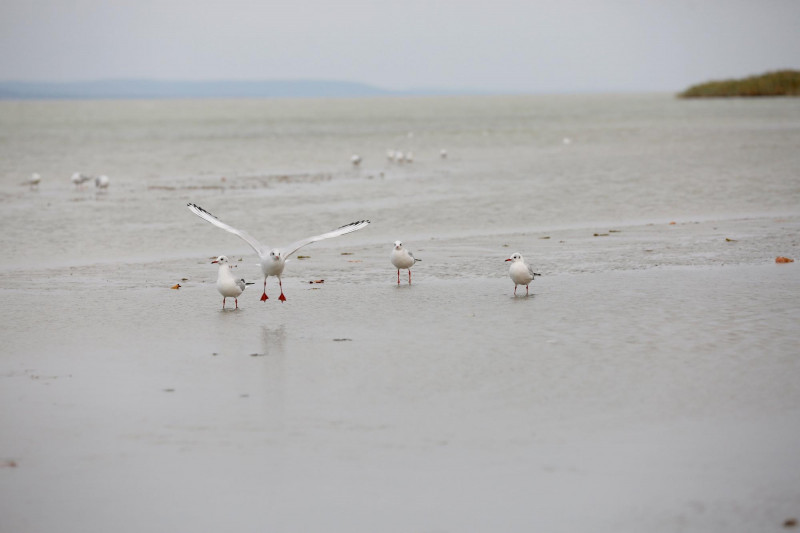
(790, 522)
(729, 240)
(354, 261)
(176, 286)
(317, 281)
(672, 223)
(782, 259)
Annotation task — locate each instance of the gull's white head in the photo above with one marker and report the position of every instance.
(515, 257)
(398, 245)
(275, 255)
(222, 260)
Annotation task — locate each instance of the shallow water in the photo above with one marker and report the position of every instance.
(649, 382)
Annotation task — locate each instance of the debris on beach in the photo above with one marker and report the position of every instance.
(176, 286)
(672, 223)
(304, 257)
(355, 261)
(347, 253)
(317, 281)
(781, 259)
(545, 237)
(790, 522)
(8, 463)
(257, 354)
(184, 279)
(601, 234)
(341, 340)
(729, 240)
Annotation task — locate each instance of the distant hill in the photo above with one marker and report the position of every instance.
(779, 83)
(110, 89)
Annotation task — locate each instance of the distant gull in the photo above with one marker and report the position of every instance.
(443, 153)
(356, 160)
(273, 260)
(520, 272)
(402, 258)
(409, 157)
(34, 180)
(79, 179)
(101, 182)
(227, 284)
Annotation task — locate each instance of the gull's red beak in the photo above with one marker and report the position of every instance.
(509, 259)
(212, 262)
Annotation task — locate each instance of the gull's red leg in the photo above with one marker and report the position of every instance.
(264, 296)
(281, 297)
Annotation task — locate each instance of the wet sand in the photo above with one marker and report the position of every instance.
(650, 383)
(655, 399)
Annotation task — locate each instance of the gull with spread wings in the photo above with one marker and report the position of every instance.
(273, 260)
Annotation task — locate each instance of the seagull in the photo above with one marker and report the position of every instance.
(402, 258)
(79, 179)
(520, 272)
(34, 180)
(227, 285)
(443, 153)
(409, 158)
(356, 160)
(101, 182)
(273, 260)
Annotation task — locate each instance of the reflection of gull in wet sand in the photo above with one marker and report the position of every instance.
(273, 260)
(227, 284)
(402, 258)
(520, 272)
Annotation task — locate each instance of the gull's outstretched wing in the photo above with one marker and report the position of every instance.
(347, 228)
(208, 217)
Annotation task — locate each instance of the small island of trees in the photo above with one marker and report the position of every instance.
(779, 83)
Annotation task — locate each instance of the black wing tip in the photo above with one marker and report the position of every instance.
(190, 204)
(356, 223)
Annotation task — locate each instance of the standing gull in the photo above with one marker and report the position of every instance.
(520, 272)
(273, 260)
(402, 258)
(79, 179)
(227, 284)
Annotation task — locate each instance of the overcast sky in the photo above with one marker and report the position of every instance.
(498, 45)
